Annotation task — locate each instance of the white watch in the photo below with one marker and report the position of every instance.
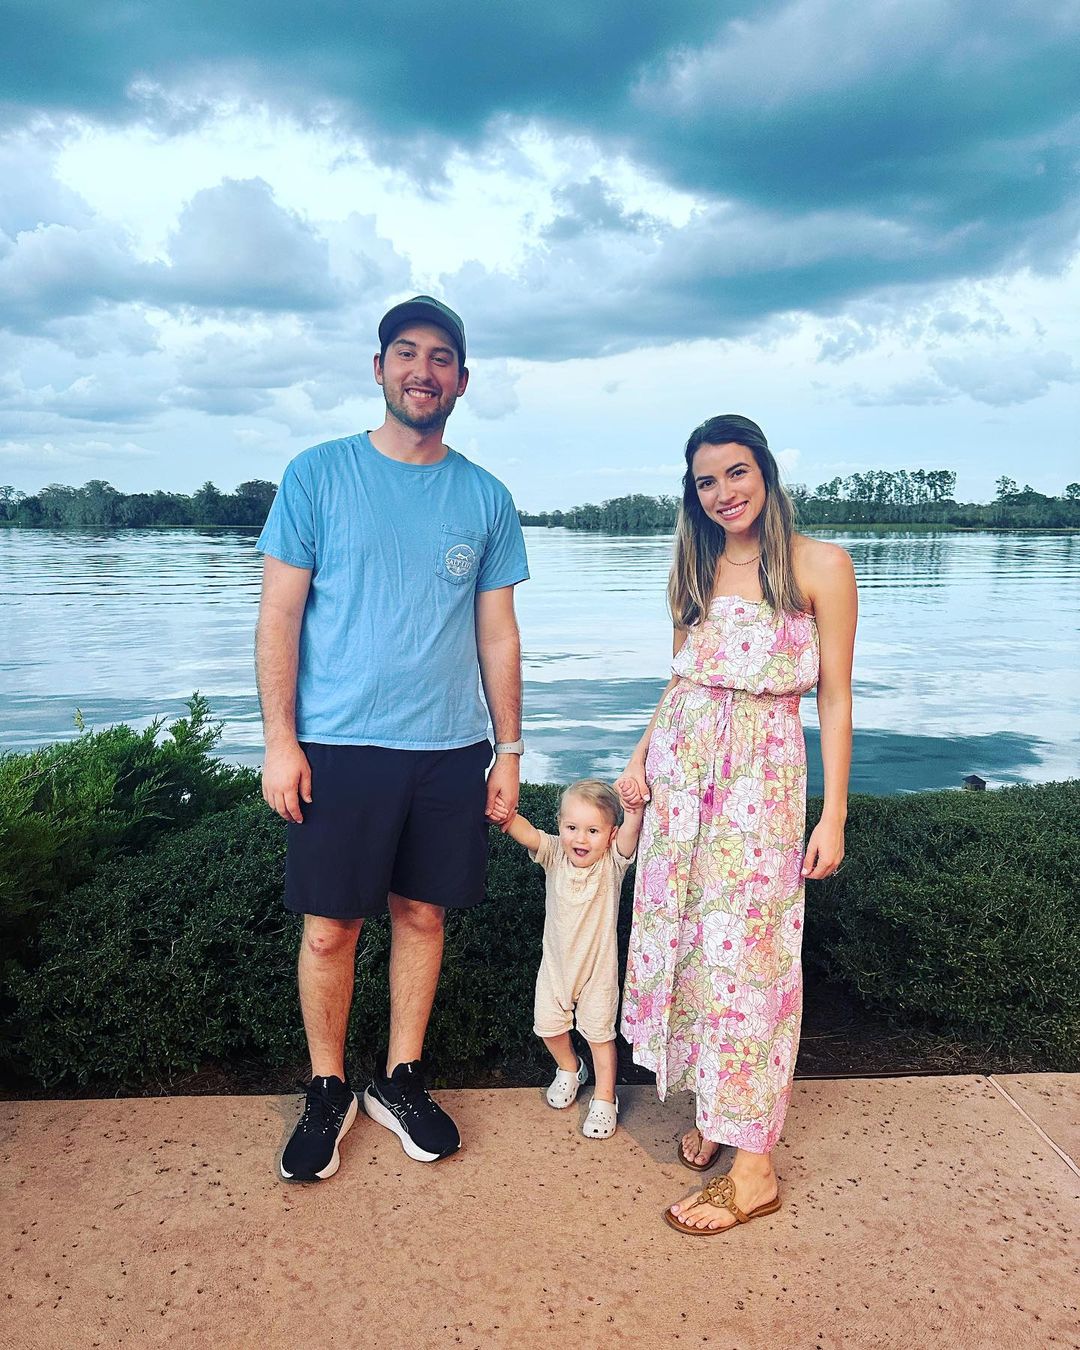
(510, 747)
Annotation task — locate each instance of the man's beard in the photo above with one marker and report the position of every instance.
(435, 419)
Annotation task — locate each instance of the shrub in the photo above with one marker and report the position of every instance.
(68, 807)
(184, 954)
(954, 911)
(176, 955)
(957, 911)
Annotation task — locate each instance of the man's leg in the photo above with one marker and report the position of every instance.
(325, 975)
(398, 1098)
(416, 949)
(325, 972)
(441, 853)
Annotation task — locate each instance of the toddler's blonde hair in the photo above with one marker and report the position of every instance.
(597, 794)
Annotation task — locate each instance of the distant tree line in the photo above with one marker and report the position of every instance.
(877, 497)
(636, 514)
(98, 503)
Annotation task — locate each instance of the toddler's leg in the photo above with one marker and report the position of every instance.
(604, 1064)
(563, 1052)
(563, 1090)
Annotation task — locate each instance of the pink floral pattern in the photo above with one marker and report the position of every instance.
(713, 996)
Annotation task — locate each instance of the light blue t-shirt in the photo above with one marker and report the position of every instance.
(397, 553)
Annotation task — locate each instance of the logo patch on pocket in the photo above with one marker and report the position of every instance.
(460, 560)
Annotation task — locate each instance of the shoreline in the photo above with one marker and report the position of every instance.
(851, 527)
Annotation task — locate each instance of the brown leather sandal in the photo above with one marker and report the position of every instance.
(721, 1191)
(693, 1166)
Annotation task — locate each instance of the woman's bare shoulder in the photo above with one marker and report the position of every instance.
(820, 566)
(819, 553)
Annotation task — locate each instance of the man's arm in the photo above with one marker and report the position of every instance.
(286, 773)
(498, 649)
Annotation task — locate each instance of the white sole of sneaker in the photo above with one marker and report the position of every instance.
(381, 1116)
(335, 1162)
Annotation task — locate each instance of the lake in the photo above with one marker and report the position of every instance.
(966, 659)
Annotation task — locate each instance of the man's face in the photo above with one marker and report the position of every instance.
(421, 377)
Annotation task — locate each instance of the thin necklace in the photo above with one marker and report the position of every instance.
(747, 563)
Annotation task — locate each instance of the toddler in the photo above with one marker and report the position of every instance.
(584, 868)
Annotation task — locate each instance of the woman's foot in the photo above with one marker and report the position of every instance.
(696, 1151)
(755, 1185)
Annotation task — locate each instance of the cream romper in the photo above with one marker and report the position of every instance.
(580, 965)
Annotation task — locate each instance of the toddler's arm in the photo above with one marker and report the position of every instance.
(519, 829)
(627, 839)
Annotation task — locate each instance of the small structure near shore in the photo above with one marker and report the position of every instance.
(973, 783)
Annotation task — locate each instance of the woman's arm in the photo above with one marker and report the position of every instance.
(632, 787)
(836, 606)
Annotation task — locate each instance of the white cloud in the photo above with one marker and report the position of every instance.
(492, 391)
(44, 456)
(1000, 378)
(213, 286)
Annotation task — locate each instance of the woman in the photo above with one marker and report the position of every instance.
(713, 995)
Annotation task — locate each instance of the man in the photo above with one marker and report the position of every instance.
(389, 573)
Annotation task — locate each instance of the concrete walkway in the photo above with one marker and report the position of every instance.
(917, 1213)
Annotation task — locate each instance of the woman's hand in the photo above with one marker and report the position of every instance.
(824, 850)
(632, 787)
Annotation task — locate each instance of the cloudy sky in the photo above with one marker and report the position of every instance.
(856, 223)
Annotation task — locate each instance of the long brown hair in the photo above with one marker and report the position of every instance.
(699, 541)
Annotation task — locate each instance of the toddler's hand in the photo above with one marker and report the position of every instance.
(633, 790)
(500, 813)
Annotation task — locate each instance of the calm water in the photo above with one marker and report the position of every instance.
(965, 661)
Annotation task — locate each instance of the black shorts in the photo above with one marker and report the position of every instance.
(407, 821)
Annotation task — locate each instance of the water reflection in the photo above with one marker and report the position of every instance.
(965, 659)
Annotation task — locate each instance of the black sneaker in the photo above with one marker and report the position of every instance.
(402, 1104)
(312, 1152)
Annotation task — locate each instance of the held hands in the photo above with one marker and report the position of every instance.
(286, 779)
(824, 850)
(632, 787)
(503, 787)
(500, 814)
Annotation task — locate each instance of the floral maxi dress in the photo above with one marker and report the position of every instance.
(713, 996)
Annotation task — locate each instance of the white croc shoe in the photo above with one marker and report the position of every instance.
(564, 1086)
(601, 1121)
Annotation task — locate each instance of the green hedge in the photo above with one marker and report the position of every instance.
(958, 911)
(67, 808)
(954, 912)
(184, 954)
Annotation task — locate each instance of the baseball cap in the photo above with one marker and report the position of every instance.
(429, 310)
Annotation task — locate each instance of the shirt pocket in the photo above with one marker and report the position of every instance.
(459, 555)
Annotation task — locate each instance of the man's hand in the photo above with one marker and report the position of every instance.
(503, 787)
(499, 813)
(286, 778)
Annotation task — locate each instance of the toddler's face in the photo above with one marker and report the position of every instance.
(585, 831)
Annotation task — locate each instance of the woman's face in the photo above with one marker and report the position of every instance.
(730, 487)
